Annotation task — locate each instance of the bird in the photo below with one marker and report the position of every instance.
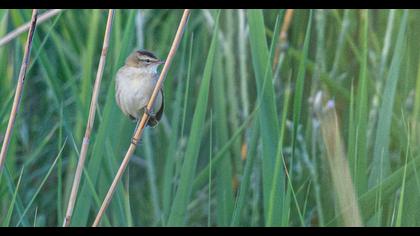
(135, 82)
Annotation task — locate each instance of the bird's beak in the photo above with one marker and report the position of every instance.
(160, 62)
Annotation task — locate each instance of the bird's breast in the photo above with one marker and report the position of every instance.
(134, 89)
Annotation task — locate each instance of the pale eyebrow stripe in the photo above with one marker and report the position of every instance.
(143, 58)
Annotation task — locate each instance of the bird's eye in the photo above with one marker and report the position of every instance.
(147, 60)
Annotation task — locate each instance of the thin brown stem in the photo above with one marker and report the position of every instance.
(90, 121)
(19, 88)
(145, 118)
(283, 35)
(15, 33)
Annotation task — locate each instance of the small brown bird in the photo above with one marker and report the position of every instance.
(135, 82)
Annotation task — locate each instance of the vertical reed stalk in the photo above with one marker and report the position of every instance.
(337, 162)
(145, 118)
(19, 88)
(90, 121)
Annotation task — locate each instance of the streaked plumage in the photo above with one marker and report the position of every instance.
(134, 85)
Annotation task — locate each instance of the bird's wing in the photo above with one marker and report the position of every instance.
(160, 111)
(154, 120)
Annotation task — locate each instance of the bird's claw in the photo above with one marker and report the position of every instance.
(148, 112)
(135, 141)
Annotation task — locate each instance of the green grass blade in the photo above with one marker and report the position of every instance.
(177, 130)
(210, 164)
(178, 211)
(300, 82)
(403, 190)
(151, 176)
(223, 181)
(203, 175)
(386, 188)
(383, 129)
(278, 169)
(268, 112)
(112, 121)
(358, 136)
(243, 188)
(44, 180)
(6, 221)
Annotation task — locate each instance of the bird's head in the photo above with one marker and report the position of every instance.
(143, 59)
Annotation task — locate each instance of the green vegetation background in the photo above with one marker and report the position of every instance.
(235, 115)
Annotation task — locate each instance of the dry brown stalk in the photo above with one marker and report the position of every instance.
(90, 121)
(15, 33)
(338, 165)
(283, 35)
(19, 88)
(144, 119)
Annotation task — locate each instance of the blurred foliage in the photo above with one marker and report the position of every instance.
(231, 107)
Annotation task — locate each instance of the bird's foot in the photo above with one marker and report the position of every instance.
(148, 112)
(135, 141)
(152, 122)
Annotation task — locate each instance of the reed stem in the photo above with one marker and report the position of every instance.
(145, 118)
(283, 35)
(15, 33)
(90, 121)
(342, 182)
(19, 88)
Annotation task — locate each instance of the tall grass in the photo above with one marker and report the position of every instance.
(19, 88)
(239, 143)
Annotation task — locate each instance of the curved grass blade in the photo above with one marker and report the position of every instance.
(6, 222)
(44, 180)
